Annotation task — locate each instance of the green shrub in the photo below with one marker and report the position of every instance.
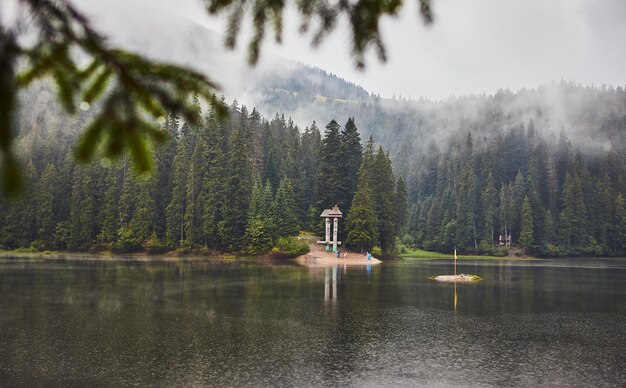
(30, 249)
(408, 240)
(485, 248)
(291, 247)
(377, 252)
(127, 241)
(153, 245)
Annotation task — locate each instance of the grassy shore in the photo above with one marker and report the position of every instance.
(422, 254)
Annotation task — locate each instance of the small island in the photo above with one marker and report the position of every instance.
(460, 278)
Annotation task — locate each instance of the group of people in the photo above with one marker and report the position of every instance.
(345, 254)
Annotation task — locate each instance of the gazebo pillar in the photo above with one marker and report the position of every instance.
(335, 227)
(327, 229)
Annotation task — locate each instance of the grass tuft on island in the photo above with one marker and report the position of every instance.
(422, 254)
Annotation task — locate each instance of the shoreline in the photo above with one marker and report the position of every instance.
(420, 254)
(111, 256)
(317, 257)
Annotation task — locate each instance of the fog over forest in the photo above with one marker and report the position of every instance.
(555, 147)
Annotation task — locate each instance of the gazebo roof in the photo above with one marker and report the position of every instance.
(332, 213)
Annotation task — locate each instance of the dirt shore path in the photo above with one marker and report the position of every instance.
(318, 257)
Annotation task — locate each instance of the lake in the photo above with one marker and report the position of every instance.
(239, 323)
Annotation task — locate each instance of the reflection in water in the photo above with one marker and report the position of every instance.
(455, 297)
(330, 283)
(237, 323)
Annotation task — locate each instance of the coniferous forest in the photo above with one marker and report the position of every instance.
(552, 199)
(236, 185)
(241, 184)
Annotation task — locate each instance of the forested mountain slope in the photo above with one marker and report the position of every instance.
(238, 185)
(546, 165)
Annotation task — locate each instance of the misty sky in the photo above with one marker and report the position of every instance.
(475, 46)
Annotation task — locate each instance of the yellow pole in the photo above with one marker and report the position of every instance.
(455, 261)
(455, 297)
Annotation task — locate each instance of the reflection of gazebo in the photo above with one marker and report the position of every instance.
(335, 214)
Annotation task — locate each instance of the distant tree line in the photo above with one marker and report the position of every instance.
(552, 198)
(235, 185)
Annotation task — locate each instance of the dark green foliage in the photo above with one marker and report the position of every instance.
(202, 193)
(382, 184)
(144, 216)
(311, 152)
(175, 233)
(361, 219)
(401, 208)
(286, 210)
(489, 203)
(131, 92)
(81, 213)
(351, 158)
(237, 192)
(46, 204)
(261, 227)
(110, 214)
(214, 179)
(551, 205)
(363, 17)
(378, 211)
(329, 181)
(526, 232)
(291, 247)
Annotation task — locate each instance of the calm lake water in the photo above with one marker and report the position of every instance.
(239, 323)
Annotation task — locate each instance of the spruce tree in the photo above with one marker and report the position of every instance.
(110, 223)
(286, 210)
(489, 209)
(361, 219)
(46, 209)
(237, 191)
(517, 199)
(564, 233)
(467, 235)
(526, 232)
(382, 184)
(22, 214)
(351, 158)
(548, 227)
(175, 211)
(329, 183)
(214, 180)
(164, 172)
(82, 209)
(194, 193)
(258, 235)
(311, 153)
(506, 209)
(619, 220)
(143, 222)
(401, 208)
